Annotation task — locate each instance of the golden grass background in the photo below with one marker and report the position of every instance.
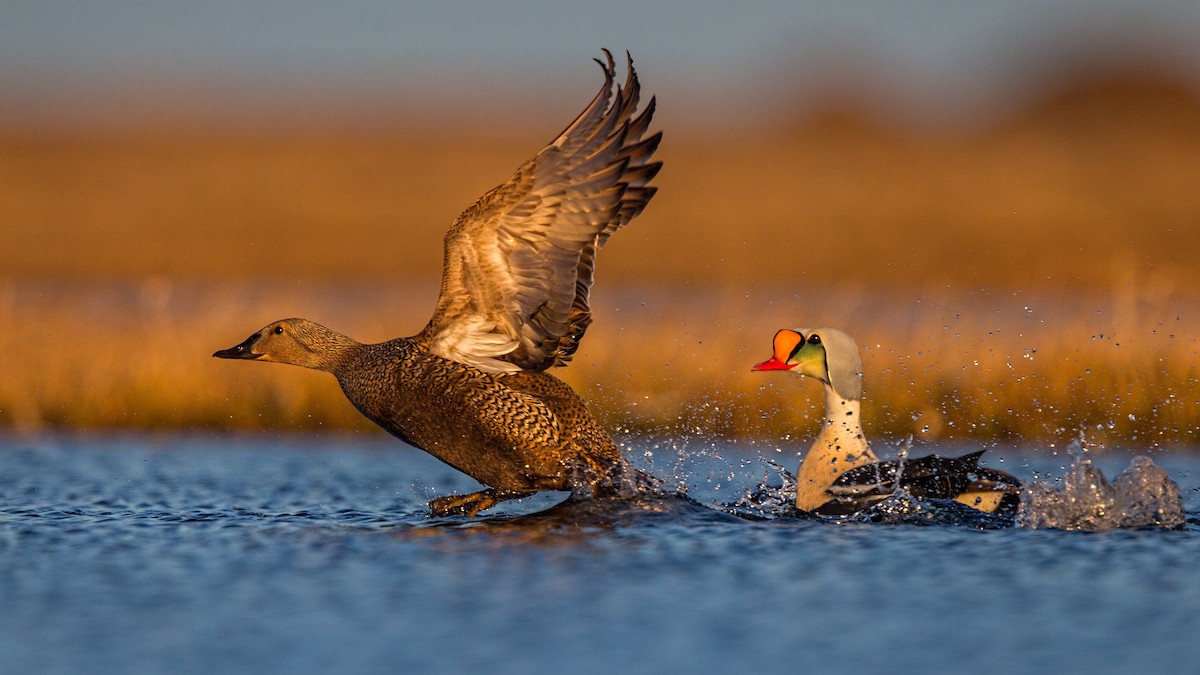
(1019, 282)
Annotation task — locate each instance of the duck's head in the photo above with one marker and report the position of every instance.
(299, 342)
(826, 354)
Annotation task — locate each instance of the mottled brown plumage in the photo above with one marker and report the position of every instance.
(518, 263)
(471, 388)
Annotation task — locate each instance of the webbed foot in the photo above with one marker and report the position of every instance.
(471, 504)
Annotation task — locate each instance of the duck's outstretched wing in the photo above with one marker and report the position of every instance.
(519, 262)
(929, 477)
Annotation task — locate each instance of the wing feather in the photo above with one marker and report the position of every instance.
(519, 263)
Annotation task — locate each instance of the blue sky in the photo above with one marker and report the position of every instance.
(928, 58)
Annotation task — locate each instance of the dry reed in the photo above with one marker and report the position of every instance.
(1062, 198)
(1035, 369)
(125, 260)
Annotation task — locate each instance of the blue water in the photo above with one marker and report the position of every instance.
(311, 554)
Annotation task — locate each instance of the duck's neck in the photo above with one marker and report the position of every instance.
(339, 355)
(329, 350)
(839, 447)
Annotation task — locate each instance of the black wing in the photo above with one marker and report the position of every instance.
(929, 477)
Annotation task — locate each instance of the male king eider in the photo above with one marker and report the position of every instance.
(840, 474)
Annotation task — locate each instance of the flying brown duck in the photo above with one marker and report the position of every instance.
(840, 474)
(472, 388)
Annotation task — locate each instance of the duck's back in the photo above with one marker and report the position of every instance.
(930, 477)
(521, 432)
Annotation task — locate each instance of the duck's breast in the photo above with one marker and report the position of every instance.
(517, 432)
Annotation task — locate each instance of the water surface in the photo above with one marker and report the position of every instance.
(316, 554)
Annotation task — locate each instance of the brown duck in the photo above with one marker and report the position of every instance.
(472, 388)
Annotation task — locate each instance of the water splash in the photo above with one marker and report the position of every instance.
(902, 508)
(1141, 496)
(774, 496)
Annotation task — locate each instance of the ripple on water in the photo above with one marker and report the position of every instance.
(286, 556)
(1141, 496)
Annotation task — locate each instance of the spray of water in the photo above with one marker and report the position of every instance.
(1142, 495)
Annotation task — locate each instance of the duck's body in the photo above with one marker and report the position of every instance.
(471, 387)
(839, 447)
(840, 474)
(930, 477)
(518, 433)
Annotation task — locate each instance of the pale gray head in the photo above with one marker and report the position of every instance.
(826, 354)
(299, 342)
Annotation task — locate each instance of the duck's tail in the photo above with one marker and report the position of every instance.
(617, 479)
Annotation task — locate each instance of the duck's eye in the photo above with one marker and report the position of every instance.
(278, 330)
(814, 339)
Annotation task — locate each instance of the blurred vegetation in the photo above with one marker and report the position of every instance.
(1021, 282)
(1049, 199)
(960, 366)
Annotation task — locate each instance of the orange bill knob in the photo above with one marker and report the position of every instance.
(785, 344)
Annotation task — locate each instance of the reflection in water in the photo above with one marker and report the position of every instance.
(1083, 499)
(1141, 496)
(580, 518)
(284, 554)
